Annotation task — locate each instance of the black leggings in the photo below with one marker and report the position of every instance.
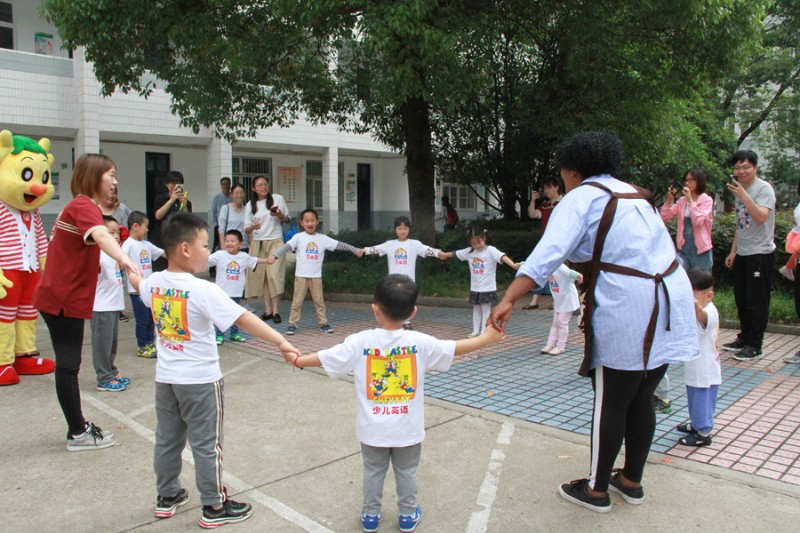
(623, 408)
(66, 334)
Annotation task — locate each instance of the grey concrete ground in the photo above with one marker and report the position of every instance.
(290, 450)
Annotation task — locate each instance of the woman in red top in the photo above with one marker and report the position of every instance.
(66, 293)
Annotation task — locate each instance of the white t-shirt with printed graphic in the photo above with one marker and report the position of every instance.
(402, 255)
(706, 369)
(310, 251)
(388, 368)
(231, 270)
(185, 310)
(482, 267)
(143, 254)
(108, 295)
(563, 289)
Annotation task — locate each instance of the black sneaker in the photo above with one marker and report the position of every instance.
(695, 439)
(575, 492)
(634, 496)
(748, 353)
(165, 507)
(229, 513)
(738, 344)
(276, 318)
(265, 316)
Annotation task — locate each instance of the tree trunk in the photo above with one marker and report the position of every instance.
(419, 167)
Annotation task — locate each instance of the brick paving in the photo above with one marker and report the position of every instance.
(758, 408)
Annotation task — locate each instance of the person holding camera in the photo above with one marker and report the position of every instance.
(264, 216)
(164, 207)
(695, 212)
(752, 256)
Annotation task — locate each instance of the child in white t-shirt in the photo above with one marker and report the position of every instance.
(483, 260)
(703, 375)
(565, 301)
(402, 253)
(189, 387)
(108, 303)
(310, 247)
(388, 366)
(231, 265)
(143, 253)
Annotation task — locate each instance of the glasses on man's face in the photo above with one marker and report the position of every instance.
(746, 168)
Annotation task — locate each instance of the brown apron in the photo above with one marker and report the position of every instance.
(591, 271)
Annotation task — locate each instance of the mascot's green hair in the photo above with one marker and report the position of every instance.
(26, 144)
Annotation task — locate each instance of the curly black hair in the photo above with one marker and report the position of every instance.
(590, 153)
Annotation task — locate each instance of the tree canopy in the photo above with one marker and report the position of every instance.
(483, 88)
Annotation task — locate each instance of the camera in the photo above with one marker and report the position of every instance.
(675, 188)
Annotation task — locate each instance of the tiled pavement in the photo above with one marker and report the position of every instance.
(758, 409)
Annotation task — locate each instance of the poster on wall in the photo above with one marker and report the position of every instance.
(288, 180)
(350, 191)
(43, 43)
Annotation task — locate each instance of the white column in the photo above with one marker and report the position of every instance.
(87, 101)
(220, 163)
(330, 188)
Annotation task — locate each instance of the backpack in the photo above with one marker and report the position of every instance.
(452, 216)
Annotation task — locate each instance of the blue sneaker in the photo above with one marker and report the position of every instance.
(125, 381)
(291, 330)
(370, 522)
(408, 522)
(111, 386)
(325, 328)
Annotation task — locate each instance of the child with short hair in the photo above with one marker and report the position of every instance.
(231, 264)
(108, 303)
(189, 385)
(388, 366)
(402, 252)
(143, 253)
(310, 247)
(565, 302)
(483, 259)
(703, 375)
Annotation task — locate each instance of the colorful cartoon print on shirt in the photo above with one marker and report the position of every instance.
(312, 251)
(144, 260)
(477, 265)
(170, 314)
(391, 374)
(553, 285)
(400, 256)
(232, 271)
(742, 217)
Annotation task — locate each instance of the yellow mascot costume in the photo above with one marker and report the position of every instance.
(25, 186)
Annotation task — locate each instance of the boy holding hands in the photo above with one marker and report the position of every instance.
(189, 385)
(310, 247)
(143, 253)
(388, 366)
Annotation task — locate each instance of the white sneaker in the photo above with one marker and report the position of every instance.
(556, 351)
(92, 439)
(786, 273)
(546, 349)
(473, 334)
(794, 358)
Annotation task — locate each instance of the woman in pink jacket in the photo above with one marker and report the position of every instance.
(695, 212)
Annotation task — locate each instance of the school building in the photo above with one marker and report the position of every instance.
(353, 181)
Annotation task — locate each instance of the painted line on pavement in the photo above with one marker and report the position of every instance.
(479, 520)
(282, 510)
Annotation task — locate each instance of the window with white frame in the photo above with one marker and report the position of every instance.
(247, 168)
(6, 26)
(461, 196)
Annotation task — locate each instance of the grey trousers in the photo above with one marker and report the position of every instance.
(105, 326)
(405, 462)
(193, 411)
